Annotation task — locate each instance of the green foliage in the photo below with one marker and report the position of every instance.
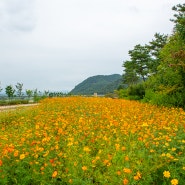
(10, 91)
(179, 20)
(164, 62)
(123, 93)
(101, 84)
(136, 92)
(130, 76)
(175, 99)
(13, 102)
(155, 47)
(55, 94)
(19, 87)
(133, 92)
(29, 93)
(138, 65)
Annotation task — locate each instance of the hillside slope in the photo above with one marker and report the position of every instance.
(101, 84)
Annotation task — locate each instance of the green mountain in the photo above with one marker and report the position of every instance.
(101, 84)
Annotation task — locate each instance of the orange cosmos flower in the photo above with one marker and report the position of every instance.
(84, 168)
(118, 172)
(125, 181)
(1, 162)
(127, 170)
(123, 148)
(51, 161)
(126, 158)
(16, 153)
(55, 173)
(137, 176)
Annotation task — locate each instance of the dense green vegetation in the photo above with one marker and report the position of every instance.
(155, 72)
(101, 84)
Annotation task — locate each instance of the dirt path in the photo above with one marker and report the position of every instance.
(10, 107)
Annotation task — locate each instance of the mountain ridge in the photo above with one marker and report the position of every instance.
(101, 84)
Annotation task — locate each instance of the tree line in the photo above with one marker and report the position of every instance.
(155, 72)
(17, 91)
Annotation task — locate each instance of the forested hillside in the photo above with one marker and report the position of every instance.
(161, 66)
(101, 84)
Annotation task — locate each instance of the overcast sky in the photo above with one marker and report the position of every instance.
(56, 44)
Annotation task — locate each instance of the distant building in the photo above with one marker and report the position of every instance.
(95, 94)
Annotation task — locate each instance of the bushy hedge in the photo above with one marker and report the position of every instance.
(134, 92)
(176, 99)
(13, 102)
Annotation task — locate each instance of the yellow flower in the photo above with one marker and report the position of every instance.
(55, 173)
(173, 149)
(168, 155)
(166, 174)
(70, 181)
(174, 181)
(22, 156)
(117, 146)
(87, 149)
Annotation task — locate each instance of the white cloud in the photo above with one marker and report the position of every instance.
(17, 15)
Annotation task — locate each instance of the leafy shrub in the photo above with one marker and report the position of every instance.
(137, 91)
(175, 99)
(13, 102)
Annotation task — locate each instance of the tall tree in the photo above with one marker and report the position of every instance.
(179, 20)
(155, 47)
(139, 63)
(19, 87)
(169, 81)
(10, 91)
(130, 76)
(29, 93)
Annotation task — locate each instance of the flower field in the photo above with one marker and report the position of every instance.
(91, 141)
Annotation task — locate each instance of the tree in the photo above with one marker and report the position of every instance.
(29, 93)
(10, 91)
(139, 63)
(179, 20)
(19, 87)
(155, 47)
(130, 76)
(169, 82)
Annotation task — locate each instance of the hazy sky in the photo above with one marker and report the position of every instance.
(56, 44)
